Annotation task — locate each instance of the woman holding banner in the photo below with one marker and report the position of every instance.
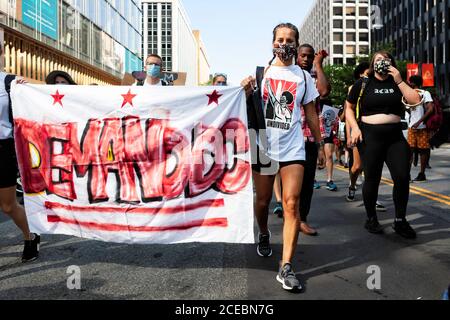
(9, 171)
(284, 90)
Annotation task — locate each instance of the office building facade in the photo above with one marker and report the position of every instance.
(95, 41)
(341, 27)
(419, 30)
(167, 32)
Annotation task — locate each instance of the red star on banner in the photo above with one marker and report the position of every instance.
(57, 98)
(128, 98)
(214, 97)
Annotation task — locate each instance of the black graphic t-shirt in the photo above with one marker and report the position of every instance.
(380, 97)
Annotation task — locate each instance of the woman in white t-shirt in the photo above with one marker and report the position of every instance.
(285, 89)
(9, 170)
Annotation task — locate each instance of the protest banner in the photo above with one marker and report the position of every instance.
(135, 164)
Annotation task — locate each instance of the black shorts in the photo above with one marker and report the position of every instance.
(267, 166)
(8, 164)
(329, 140)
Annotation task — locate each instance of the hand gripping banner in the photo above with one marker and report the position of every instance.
(135, 164)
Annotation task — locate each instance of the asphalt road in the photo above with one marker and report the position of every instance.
(331, 266)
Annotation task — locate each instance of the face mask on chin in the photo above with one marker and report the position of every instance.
(285, 52)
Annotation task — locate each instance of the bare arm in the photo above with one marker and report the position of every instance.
(323, 85)
(353, 127)
(411, 95)
(248, 84)
(429, 111)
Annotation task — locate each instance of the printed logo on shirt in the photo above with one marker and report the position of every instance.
(384, 91)
(279, 100)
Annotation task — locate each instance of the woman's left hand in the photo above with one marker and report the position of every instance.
(20, 80)
(395, 74)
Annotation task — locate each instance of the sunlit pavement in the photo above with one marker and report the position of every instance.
(333, 265)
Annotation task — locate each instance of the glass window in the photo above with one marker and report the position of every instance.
(337, 11)
(364, 49)
(337, 36)
(350, 49)
(351, 36)
(85, 36)
(337, 24)
(350, 11)
(363, 24)
(338, 49)
(363, 12)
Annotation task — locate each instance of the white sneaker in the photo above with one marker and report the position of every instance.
(360, 181)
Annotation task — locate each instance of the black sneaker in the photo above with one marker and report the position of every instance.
(403, 228)
(263, 249)
(351, 194)
(286, 276)
(373, 226)
(278, 210)
(420, 177)
(31, 249)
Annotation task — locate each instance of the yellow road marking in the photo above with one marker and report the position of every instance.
(415, 190)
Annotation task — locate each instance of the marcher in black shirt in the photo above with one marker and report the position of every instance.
(374, 114)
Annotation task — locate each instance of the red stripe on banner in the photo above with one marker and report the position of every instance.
(217, 222)
(216, 203)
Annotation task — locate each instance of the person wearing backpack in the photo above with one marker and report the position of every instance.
(309, 60)
(418, 133)
(9, 170)
(285, 89)
(374, 112)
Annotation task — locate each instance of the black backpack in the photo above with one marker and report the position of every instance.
(140, 83)
(255, 107)
(8, 79)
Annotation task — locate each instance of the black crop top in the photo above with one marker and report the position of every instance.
(380, 97)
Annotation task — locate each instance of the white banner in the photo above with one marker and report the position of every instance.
(135, 164)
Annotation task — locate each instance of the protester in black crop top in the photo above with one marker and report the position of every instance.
(379, 97)
(380, 139)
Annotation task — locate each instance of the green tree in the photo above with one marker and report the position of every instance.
(341, 78)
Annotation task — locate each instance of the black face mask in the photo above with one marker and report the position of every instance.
(285, 52)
